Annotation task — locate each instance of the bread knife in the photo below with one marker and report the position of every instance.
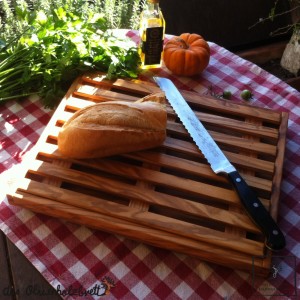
(274, 238)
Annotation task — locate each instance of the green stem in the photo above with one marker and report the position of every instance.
(2, 99)
(5, 75)
(9, 87)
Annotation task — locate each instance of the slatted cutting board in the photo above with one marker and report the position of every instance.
(168, 196)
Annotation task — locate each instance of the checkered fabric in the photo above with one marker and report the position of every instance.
(75, 259)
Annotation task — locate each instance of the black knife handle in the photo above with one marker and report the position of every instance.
(275, 239)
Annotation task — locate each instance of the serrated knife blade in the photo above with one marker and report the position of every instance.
(274, 238)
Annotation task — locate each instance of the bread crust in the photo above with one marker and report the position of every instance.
(114, 127)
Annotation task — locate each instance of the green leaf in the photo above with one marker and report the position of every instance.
(57, 44)
(41, 17)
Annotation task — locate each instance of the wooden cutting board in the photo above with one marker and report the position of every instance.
(167, 197)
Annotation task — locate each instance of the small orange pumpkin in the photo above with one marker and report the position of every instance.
(187, 54)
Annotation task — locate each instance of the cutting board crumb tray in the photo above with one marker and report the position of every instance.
(167, 197)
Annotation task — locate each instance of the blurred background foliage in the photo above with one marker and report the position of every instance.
(118, 13)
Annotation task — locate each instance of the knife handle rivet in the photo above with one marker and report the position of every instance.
(255, 204)
(238, 179)
(275, 232)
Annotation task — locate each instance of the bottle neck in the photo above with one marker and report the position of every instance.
(153, 6)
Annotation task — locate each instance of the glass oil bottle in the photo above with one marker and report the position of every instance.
(152, 31)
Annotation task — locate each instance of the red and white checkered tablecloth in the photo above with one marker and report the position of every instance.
(75, 259)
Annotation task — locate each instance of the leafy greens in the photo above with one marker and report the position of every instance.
(56, 48)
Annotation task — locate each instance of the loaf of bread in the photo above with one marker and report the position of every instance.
(114, 127)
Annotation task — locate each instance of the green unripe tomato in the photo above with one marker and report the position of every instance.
(246, 95)
(226, 95)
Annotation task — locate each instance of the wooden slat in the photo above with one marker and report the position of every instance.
(274, 199)
(168, 196)
(235, 158)
(162, 223)
(233, 259)
(189, 207)
(101, 96)
(142, 88)
(117, 186)
(221, 138)
(92, 181)
(168, 161)
(237, 126)
(229, 140)
(225, 107)
(165, 160)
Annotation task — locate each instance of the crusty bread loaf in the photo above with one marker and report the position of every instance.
(114, 127)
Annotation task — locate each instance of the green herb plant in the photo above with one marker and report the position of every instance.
(121, 13)
(44, 50)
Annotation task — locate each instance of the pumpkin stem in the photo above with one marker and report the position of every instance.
(182, 43)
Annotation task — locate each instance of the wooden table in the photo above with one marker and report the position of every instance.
(19, 279)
